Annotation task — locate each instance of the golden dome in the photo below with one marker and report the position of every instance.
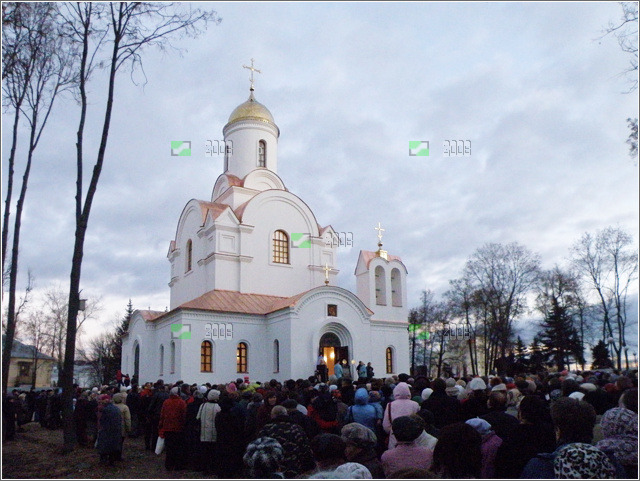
(251, 110)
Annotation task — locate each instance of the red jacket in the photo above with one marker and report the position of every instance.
(172, 416)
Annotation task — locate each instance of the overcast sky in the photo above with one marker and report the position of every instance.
(532, 86)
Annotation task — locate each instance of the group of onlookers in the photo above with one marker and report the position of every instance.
(562, 425)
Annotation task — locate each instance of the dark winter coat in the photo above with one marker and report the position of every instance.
(110, 429)
(445, 409)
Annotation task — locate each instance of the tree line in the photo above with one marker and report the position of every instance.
(583, 305)
(50, 49)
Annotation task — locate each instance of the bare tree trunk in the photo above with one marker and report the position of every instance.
(13, 276)
(78, 251)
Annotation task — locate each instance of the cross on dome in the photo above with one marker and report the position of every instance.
(253, 69)
(326, 270)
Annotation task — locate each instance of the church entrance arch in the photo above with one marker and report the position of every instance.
(334, 345)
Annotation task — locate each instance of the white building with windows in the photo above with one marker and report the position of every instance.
(252, 274)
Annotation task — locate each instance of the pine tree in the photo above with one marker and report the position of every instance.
(601, 359)
(536, 359)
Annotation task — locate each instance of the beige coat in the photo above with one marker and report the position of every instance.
(207, 416)
(125, 414)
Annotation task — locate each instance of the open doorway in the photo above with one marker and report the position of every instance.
(332, 351)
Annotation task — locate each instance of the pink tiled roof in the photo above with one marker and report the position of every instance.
(215, 209)
(232, 301)
(368, 256)
(150, 315)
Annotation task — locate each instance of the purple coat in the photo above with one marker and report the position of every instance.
(490, 445)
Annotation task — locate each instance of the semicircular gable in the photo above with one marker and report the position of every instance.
(250, 214)
(332, 292)
(263, 179)
(192, 206)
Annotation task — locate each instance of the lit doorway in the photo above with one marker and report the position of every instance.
(332, 350)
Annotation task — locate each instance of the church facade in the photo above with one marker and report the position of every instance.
(252, 282)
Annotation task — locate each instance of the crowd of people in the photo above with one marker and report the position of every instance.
(543, 426)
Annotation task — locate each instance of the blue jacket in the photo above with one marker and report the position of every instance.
(362, 412)
(337, 370)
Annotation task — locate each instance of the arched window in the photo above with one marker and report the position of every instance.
(241, 357)
(161, 359)
(172, 361)
(189, 255)
(396, 288)
(389, 360)
(381, 286)
(136, 362)
(276, 356)
(280, 247)
(262, 154)
(206, 356)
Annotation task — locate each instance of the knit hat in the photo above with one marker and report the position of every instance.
(426, 393)
(264, 456)
(477, 384)
(480, 425)
(352, 471)
(202, 389)
(499, 387)
(450, 382)
(582, 461)
(620, 432)
(587, 386)
(213, 395)
(406, 429)
(358, 435)
(175, 391)
(231, 387)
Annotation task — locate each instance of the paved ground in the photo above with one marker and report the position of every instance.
(36, 453)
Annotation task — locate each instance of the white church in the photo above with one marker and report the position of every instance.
(252, 283)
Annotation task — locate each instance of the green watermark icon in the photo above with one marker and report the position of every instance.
(419, 148)
(180, 331)
(181, 148)
(419, 332)
(300, 240)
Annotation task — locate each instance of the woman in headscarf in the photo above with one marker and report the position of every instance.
(118, 401)
(109, 430)
(402, 405)
(620, 431)
(230, 440)
(208, 435)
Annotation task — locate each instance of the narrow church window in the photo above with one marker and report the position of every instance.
(389, 358)
(241, 357)
(173, 357)
(161, 360)
(280, 247)
(332, 310)
(262, 154)
(276, 356)
(206, 352)
(381, 286)
(189, 255)
(396, 288)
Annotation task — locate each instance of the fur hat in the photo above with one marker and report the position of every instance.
(352, 471)
(477, 384)
(358, 435)
(214, 395)
(499, 387)
(450, 382)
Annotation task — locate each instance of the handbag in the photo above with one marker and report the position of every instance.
(386, 438)
(160, 445)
